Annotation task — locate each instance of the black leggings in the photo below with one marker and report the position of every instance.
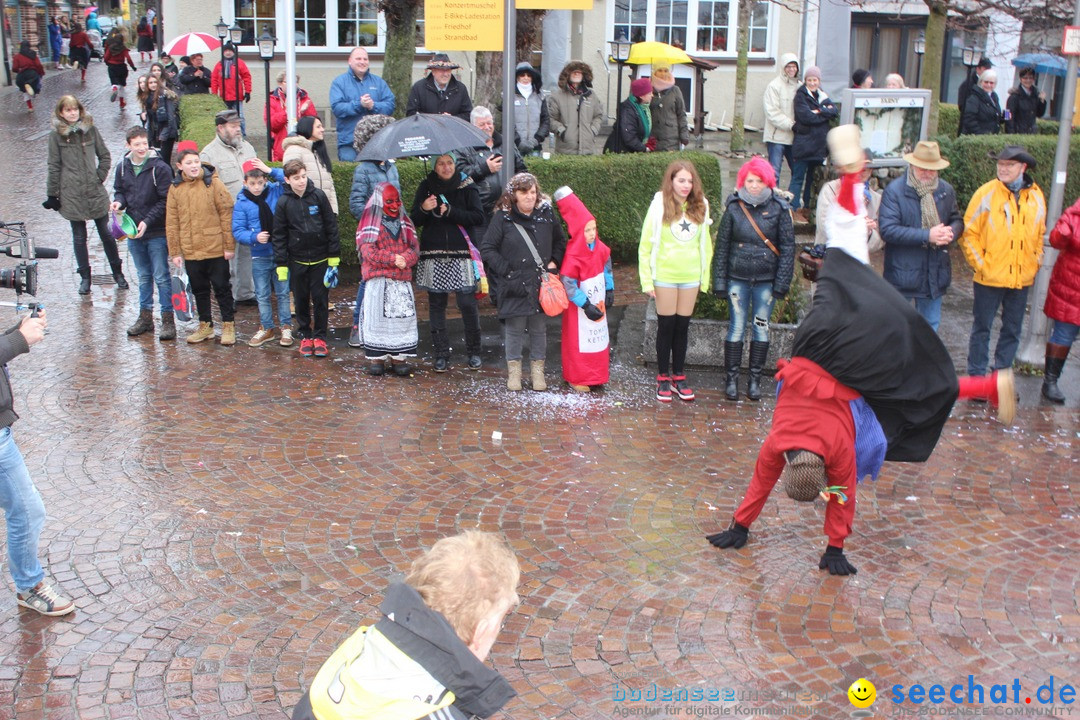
(672, 338)
(82, 253)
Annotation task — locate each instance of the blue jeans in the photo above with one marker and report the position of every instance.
(264, 275)
(151, 258)
(1064, 333)
(24, 513)
(930, 309)
(346, 153)
(988, 299)
(777, 154)
(802, 182)
(745, 297)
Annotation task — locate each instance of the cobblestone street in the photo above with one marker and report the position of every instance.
(224, 517)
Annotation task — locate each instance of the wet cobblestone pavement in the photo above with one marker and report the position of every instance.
(224, 517)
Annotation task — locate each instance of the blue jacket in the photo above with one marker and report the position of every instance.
(913, 266)
(365, 177)
(245, 215)
(345, 94)
(144, 196)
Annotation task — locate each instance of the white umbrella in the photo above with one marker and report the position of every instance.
(193, 43)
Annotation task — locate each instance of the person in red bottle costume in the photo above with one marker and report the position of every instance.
(590, 286)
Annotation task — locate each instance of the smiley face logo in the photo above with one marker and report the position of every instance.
(862, 693)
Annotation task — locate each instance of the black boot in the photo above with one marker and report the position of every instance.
(441, 342)
(732, 363)
(118, 276)
(84, 283)
(759, 351)
(1055, 361)
(472, 348)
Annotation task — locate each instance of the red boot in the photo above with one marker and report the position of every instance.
(998, 387)
(29, 103)
(84, 76)
(123, 103)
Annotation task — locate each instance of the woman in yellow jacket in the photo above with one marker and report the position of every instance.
(674, 261)
(1002, 241)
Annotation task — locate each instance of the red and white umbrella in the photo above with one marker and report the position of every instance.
(191, 44)
(87, 11)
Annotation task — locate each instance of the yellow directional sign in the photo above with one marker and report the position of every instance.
(463, 24)
(554, 4)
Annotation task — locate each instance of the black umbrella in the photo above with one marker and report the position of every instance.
(422, 134)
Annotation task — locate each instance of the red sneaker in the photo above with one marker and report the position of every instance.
(320, 348)
(307, 347)
(682, 388)
(663, 388)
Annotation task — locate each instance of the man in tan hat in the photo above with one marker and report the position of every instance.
(919, 220)
(440, 92)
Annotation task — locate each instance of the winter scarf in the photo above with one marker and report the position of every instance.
(645, 115)
(925, 191)
(266, 215)
(750, 199)
(305, 126)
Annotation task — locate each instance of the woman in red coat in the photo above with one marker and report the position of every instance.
(28, 72)
(1063, 299)
(279, 117)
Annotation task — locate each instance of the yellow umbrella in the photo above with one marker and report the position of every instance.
(656, 53)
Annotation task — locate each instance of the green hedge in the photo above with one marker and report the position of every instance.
(948, 123)
(971, 165)
(617, 189)
(197, 117)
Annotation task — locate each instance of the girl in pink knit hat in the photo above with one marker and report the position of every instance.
(586, 275)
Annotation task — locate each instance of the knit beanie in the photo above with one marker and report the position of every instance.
(758, 166)
(812, 71)
(573, 211)
(641, 87)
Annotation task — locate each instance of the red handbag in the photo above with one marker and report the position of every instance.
(553, 299)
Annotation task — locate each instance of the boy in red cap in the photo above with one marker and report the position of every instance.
(586, 275)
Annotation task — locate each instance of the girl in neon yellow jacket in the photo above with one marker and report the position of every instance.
(674, 261)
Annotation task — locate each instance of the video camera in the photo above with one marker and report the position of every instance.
(23, 278)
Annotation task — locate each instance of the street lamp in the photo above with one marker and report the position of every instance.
(971, 57)
(236, 34)
(620, 51)
(222, 29)
(266, 52)
(920, 48)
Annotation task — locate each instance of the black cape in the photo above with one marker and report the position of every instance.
(868, 337)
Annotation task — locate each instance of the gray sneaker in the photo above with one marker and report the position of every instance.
(354, 337)
(43, 599)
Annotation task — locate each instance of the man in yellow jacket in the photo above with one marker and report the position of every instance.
(1003, 240)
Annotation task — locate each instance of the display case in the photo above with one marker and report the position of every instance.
(892, 121)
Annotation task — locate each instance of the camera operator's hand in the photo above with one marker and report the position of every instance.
(33, 328)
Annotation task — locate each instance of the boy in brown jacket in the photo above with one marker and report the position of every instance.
(198, 224)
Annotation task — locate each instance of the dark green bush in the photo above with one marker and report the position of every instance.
(971, 166)
(197, 117)
(948, 123)
(788, 311)
(617, 189)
